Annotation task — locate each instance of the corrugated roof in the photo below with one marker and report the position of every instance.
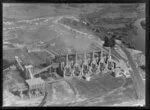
(34, 81)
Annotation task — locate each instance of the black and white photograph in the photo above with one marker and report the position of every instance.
(73, 54)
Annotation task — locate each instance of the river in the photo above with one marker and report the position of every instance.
(140, 38)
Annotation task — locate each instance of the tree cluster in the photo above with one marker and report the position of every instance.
(142, 67)
(109, 41)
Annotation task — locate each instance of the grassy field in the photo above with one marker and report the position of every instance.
(101, 17)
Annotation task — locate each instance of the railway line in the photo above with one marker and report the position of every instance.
(137, 79)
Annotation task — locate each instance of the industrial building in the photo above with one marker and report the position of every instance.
(81, 65)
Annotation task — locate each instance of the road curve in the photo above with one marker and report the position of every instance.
(137, 79)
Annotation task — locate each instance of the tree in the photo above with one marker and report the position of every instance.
(142, 67)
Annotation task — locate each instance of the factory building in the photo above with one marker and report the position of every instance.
(36, 87)
(94, 66)
(85, 67)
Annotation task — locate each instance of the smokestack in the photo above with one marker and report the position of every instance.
(67, 60)
(109, 53)
(101, 54)
(93, 57)
(85, 57)
(76, 58)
